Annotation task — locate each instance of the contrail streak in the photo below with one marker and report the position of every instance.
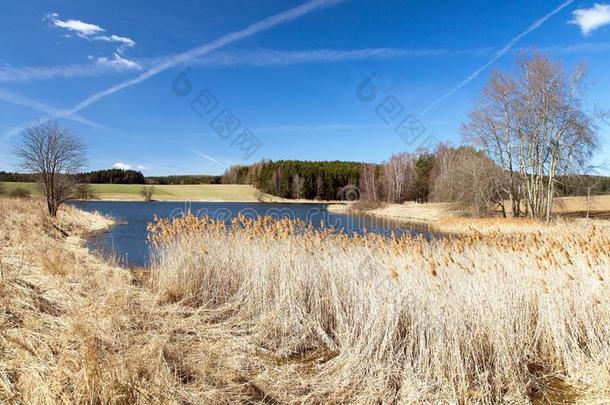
(32, 104)
(35, 105)
(227, 39)
(206, 156)
(534, 26)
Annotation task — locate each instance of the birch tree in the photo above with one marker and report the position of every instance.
(399, 175)
(368, 182)
(534, 126)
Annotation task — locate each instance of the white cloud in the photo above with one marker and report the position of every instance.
(127, 166)
(122, 166)
(115, 38)
(92, 32)
(79, 27)
(118, 62)
(590, 19)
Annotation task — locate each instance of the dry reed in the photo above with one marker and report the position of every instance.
(482, 318)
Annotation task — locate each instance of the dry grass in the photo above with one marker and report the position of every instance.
(75, 330)
(275, 312)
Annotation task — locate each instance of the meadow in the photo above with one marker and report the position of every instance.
(276, 312)
(198, 192)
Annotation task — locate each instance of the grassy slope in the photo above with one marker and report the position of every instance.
(200, 192)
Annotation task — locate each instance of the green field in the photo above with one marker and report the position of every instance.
(199, 192)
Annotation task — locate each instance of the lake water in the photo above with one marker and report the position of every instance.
(127, 240)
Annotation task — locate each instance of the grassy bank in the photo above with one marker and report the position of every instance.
(267, 313)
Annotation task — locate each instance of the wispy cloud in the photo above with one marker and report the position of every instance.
(591, 19)
(283, 129)
(257, 57)
(501, 52)
(270, 57)
(177, 60)
(93, 32)
(33, 73)
(267, 57)
(115, 38)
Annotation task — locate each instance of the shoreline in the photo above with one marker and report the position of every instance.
(244, 201)
(440, 217)
(423, 214)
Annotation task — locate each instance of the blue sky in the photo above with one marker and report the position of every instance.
(196, 86)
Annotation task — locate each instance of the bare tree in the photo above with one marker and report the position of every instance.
(368, 182)
(55, 155)
(533, 125)
(297, 186)
(147, 193)
(399, 175)
(471, 181)
(491, 128)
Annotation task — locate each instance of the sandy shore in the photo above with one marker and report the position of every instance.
(409, 211)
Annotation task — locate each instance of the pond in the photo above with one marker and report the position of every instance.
(127, 240)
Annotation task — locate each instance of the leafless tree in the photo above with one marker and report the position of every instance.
(400, 175)
(55, 155)
(533, 125)
(147, 193)
(368, 182)
(444, 163)
(297, 186)
(470, 180)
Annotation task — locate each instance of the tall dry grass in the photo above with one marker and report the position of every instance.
(483, 318)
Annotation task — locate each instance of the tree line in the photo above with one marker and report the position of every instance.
(118, 176)
(319, 180)
(112, 176)
(184, 179)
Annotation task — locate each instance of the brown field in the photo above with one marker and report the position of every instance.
(272, 312)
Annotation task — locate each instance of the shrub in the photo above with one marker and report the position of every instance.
(84, 192)
(362, 206)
